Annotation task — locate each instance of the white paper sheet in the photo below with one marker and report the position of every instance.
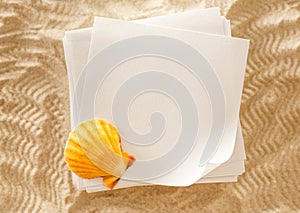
(82, 39)
(226, 58)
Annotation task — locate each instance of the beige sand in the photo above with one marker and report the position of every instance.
(34, 110)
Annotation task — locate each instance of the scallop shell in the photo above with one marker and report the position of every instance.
(94, 150)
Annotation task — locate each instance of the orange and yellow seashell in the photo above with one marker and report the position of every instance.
(94, 150)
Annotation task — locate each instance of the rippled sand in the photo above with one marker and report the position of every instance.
(34, 110)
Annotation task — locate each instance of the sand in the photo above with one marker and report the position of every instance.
(34, 110)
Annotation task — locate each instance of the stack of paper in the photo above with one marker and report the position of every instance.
(172, 86)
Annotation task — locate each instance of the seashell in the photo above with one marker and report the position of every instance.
(94, 150)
